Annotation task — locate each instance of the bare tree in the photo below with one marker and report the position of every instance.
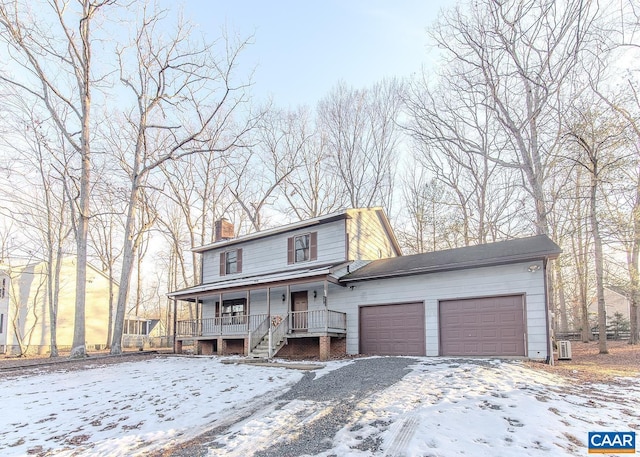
(618, 45)
(430, 215)
(194, 186)
(264, 166)
(454, 135)
(360, 127)
(105, 242)
(311, 189)
(598, 138)
(521, 53)
(41, 167)
(56, 56)
(185, 100)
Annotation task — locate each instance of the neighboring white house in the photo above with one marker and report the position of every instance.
(339, 284)
(28, 322)
(616, 300)
(4, 305)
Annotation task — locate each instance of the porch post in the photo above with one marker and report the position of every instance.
(248, 309)
(217, 327)
(290, 317)
(220, 313)
(325, 291)
(198, 324)
(175, 327)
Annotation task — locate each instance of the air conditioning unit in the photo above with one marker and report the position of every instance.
(564, 350)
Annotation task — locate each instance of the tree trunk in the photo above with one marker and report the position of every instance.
(579, 248)
(634, 274)
(110, 324)
(78, 348)
(598, 258)
(128, 255)
(563, 319)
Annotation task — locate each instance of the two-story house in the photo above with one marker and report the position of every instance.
(339, 284)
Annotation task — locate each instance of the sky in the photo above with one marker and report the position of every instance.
(442, 407)
(301, 49)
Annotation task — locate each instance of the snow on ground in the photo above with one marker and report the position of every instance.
(487, 408)
(443, 407)
(129, 408)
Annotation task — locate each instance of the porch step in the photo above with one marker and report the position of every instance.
(262, 349)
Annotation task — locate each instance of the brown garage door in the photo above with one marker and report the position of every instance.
(490, 326)
(392, 329)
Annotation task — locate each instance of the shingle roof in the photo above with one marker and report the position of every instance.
(260, 280)
(516, 250)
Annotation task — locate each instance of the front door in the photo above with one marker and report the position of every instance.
(299, 308)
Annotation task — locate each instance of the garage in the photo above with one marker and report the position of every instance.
(488, 326)
(394, 329)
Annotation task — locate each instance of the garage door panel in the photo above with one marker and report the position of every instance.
(392, 329)
(491, 326)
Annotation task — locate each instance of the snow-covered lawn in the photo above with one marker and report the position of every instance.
(128, 408)
(489, 408)
(441, 408)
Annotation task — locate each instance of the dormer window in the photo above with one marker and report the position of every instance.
(231, 262)
(302, 248)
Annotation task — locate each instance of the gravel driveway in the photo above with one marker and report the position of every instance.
(329, 401)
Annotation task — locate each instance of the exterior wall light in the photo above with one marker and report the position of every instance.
(533, 268)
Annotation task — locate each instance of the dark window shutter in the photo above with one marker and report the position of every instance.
(223, 264)
(239, 261)
(313, 248)
(290, 253)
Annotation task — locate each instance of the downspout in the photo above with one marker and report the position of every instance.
(547, 312)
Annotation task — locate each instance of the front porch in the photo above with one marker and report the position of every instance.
(259, 316)
(264, 335)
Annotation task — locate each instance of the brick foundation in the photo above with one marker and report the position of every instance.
(338, 347)
(178, 347)
(300, 348)
(312, 348)
(325, 347)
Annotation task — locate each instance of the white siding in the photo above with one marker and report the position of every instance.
(269, 255)
(368, 239)
(258, 300)
(478, 282)
(429, 289)
(4, 309)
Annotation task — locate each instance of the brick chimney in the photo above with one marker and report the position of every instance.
(224, 230)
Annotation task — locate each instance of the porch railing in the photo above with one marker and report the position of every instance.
(256, 335)
(319, 320)
(277, 335)
(256, 326)
(218, 326)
